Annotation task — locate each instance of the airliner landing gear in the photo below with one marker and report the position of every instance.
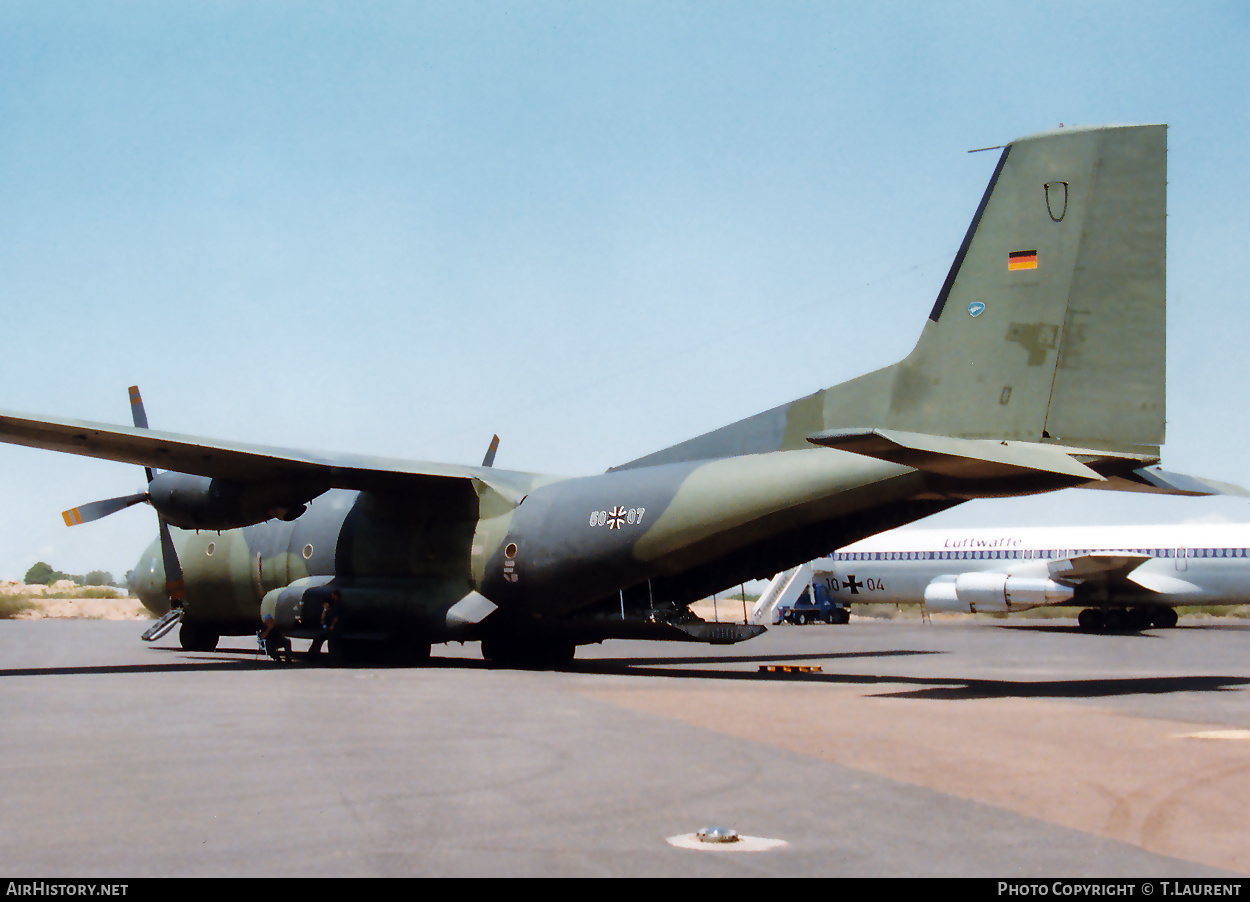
(1090, 620)
(1163, 617)
(1123, 620)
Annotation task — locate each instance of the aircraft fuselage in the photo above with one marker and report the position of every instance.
(1018, 569)
(662, 535)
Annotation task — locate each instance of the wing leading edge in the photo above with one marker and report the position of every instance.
(239, 462)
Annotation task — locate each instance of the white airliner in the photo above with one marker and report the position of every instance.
(1126, 577)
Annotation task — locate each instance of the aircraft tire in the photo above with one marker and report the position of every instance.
(1115, 620)
(411, 653)
(342, 653)
(1163, 617)
(1090, 620)
(528, 653)
(562, 653)
(1125, 620)
(196, 638)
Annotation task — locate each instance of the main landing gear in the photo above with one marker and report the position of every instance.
(528, 652)
(196, 638)
(1127, 620)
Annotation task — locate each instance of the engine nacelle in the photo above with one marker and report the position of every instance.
(994, 592)
(199, 502)
(294, 606)
(379, 609)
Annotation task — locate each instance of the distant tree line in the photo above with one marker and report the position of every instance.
(43, 574)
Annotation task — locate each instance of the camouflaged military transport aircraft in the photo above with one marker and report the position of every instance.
(1041, 366)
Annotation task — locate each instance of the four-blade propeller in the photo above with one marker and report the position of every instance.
(97, 509)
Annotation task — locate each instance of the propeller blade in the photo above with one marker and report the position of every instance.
(174, 586)
(141, 420)
(97, 509)
(173, 570)
(136, 408)
(489, 459)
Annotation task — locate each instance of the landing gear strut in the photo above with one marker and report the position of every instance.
(1163, 617)
(1120, 620)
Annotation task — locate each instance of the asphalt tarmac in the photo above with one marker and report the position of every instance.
(975, 748)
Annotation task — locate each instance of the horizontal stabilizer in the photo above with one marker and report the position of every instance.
(1153, 479)
(961, 458)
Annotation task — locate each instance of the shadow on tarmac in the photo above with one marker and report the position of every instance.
(956, 690)
(940, 688)
(710, 667)
(1148, 633)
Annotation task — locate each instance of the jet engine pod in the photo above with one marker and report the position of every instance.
(1024, 591)
(975, 592)
(940, 595)
(199, 502)
(983, 591)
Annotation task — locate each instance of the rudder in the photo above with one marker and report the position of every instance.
(1050, 325)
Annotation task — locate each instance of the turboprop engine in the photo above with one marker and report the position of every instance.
(994, 592)
(198, 502)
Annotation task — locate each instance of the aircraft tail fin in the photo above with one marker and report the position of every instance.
(1049, 328)
(1050, 325)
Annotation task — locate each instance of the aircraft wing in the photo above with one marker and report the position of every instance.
(1120, 567)
(1095, 567)
(242, 462)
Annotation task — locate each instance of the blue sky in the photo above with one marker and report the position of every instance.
(594, 228)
